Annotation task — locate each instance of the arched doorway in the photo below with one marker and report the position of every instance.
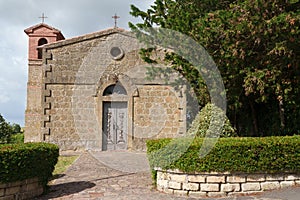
(115, 118)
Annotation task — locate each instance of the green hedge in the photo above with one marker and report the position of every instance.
(22, 161)
(247, 155)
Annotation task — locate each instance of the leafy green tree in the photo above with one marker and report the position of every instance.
(16, 128)
(256, 46)
(5, 131)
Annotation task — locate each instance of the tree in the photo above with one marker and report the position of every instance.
(256, 46)
(5, 131)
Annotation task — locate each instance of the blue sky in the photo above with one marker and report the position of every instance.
(73, 18)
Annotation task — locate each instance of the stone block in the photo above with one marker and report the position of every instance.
(277, 177)
(175, 185)
(178, 178)
(180, 192)
(162, 184)
(191, 186)
(236, 179)
(12, 190)
(250, 187)
(206, 187)
(161, 175)
(256, 178)
(9, 197)
(32, 186)
(291, 178)
(270, 185)
(197, 194)
(229, 187)
(1, 192)
(297, 182)
(196, 178)
(216, 194)
(3, 185)
(215, 179)
(232, 194)
(284, 184)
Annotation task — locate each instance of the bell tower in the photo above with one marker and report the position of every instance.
(39, 35)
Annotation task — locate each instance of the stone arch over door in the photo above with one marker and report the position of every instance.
(115, 105)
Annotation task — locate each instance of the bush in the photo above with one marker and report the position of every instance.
(211, 115)
(246, 155)
(17, 138)
(23, 161)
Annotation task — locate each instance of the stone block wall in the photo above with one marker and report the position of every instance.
(157, 112)
(222, 184)
(20, 190)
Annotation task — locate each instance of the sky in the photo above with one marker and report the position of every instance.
(72, 17)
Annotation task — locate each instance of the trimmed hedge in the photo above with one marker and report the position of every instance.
(23, 161)
(247, 155)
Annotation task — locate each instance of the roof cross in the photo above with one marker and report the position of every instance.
(43, 17)
(116, 17)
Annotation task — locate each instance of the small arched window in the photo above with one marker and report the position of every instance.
(41, 42)
(114, 89)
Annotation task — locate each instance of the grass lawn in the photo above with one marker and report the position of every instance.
(62, 165)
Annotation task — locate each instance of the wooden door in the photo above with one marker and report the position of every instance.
(114, 126)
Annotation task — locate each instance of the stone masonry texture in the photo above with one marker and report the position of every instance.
(221, 184)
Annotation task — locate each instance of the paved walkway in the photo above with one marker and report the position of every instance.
(123, 176)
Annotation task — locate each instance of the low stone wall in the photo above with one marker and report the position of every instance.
(20, 190)
(221, 184)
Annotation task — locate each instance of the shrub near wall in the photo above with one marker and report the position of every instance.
(247, 155)
(234, 166)
(19, 162)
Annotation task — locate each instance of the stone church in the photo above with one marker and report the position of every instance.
(92, 92)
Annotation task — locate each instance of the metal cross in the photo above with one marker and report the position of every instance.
(116, 17)
(43, 17)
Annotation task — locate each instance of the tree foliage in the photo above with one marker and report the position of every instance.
(7, 130)
(256, 46)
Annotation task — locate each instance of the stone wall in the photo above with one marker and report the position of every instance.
(26, 189)
(222, 184)
(158, 113)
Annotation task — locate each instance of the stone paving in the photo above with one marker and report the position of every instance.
(124, 175)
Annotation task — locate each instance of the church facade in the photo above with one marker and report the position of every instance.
(92, 92)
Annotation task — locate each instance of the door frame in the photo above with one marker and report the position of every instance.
(132, 91)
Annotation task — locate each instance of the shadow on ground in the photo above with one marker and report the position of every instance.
(66, 189)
